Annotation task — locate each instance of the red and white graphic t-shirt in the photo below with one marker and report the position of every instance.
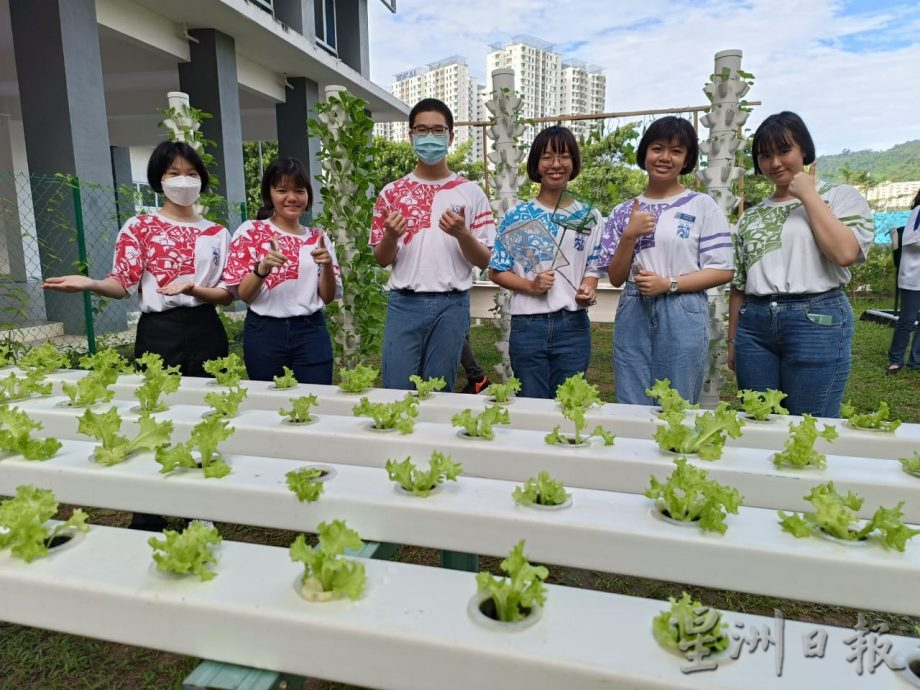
(427, 258)
(291, 289)
(153, 251)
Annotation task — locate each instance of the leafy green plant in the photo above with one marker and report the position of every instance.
(760, 405)
(286, 380)
(88, 390)
(575, 391)
(421, 482)
(327, 575)
(911, 464)
(541, 490)
(115, 448)
(14, 387)
(187, 552)
(23, 519)
(227, 370)
(669, 399)
(357, 379)
(305, 483)
(206, 436)
(705, 438)
(673, 629)
(877, 420)
(107, 364)
(480, 426)
(503, 392)
(576, 415)
(16, 429)
(300, 409)
(799, 451)
(424, 388)
(44, 359)
(227, 403)
(159, 380)
(515, 596)
(399, 414)
(689, 495)
(835, 515)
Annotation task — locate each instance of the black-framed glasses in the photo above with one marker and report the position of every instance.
(574, 213)
(437, 130)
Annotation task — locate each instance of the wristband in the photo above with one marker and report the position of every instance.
(263, 276)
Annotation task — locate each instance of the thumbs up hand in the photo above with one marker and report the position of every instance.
(805, 183)
(321, 255)
(640, 222)
(453, 222)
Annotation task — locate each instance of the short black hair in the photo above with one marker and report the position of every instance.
(556, 139)
(164, 155)
(778, 132)
(668, 129)
(280, 169)
(427, 105)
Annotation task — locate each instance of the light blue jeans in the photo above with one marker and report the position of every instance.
(546, 349)
(664, 337)
(799, 344)
(423, 335)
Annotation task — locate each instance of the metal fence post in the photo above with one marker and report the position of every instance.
(84, 266)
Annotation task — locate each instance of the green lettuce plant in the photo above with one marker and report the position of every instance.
(88, 390)
(480, 426)
(305, 483)
(674, 629)
(669, 399)
(877, 421)
(421, 482)
(327, 575)
(286, 380)
(799, 451)
(300, 409)
(541, 490)
(14, 387)
(399, 415)
(187, 552)
(760, 405)
(206, 436)
(16, 429)
(516, 595)
(911, 464)
(705, 438)
(43, 359)
(575, 391)
(689, 495)
(107, 364)
(228, 371)
(114, 448)
(227, 403)
(159, 380)
(424, 389)
(503, 392)
(358, 379)
(23, 521)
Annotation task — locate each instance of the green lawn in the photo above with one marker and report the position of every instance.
(37, 659)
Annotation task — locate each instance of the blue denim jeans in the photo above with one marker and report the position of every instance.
(799, 344)
(664, 337)
(546, 349)
(300, 343)
(910, 311)
(424, 335)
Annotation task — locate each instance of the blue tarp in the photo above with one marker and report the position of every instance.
(885, 222)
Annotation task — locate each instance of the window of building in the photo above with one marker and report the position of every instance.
(324, 22)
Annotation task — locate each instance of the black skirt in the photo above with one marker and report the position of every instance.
(186, 337)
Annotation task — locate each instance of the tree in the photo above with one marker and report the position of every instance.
(608, 168)
(252, 171)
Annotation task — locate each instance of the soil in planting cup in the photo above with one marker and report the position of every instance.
(481, 609)
(844, 542)
(911, 670)
(661, 513)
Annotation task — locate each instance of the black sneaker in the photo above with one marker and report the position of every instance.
(476, 386)
(892, 369)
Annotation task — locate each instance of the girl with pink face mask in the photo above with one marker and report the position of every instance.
(173, 258)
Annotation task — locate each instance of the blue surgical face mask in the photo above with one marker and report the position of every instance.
(430, 148)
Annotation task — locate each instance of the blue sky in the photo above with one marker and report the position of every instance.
(850, 68)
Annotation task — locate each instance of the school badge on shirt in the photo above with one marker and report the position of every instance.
(684, 224)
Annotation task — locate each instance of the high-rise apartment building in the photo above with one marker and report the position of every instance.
(582, 92)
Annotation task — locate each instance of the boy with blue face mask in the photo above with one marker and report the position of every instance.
(431, 226)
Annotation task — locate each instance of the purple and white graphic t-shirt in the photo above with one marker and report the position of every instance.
(691, 233)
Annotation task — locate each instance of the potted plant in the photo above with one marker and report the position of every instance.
(159, 380)
(358, 379)
(87, 391)
(417, 482)
(761, 406)
(200, 451)
(513, 602)
(225, 403)
(669, 399)
(542, 491)
(424, 389)
(227, 371)
(689, 628)
(23, 521)
(395, 416)
(479, 426)
(286, 381)
(300, 410)
(689, 497)
(115, 448)
(188, 552)
(799, 451)
(16, 429)
(705, 438)
(327, 575)
(869, 421)
(307, 482)
(503, 393)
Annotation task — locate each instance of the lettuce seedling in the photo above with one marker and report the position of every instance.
(441, 468)
(24, 518)
(228, 371)
(159, 380)
(760, 405)
(43, 359)
(800, 446)
(669, 399)
(358, 379)
(673, 629)
(836, 515)
(227, 403)
(705, 438)
(575, 391)
(87, 391)
(205, 436)
(398, 415)
(13, 387)
(16, 429)
(107, 364)
(6, 356)
(286, 380)
(516, 595)
(503, 392)
(877, 420)
(187, 552)
(911, 464)
(327, 575)
(542, 490)
(480, 426)
(115, 448)
(576, 415)
(689, 495)
(300, 409)
(305, 483)
(424, 389)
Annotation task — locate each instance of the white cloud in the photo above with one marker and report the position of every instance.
(852, 77)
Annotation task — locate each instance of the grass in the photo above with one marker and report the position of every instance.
(44, 660)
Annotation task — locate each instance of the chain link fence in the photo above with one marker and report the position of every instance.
(52, 225)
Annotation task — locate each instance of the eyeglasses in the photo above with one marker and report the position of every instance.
(437, 130)
(561, 157)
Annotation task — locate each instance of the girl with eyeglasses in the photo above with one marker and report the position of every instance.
(668, 245)
(546, 253)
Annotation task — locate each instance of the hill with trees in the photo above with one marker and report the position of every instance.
(899, 163)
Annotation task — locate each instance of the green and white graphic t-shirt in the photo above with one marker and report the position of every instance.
(776, 252)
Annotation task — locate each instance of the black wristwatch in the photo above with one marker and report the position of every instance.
(263, 276)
